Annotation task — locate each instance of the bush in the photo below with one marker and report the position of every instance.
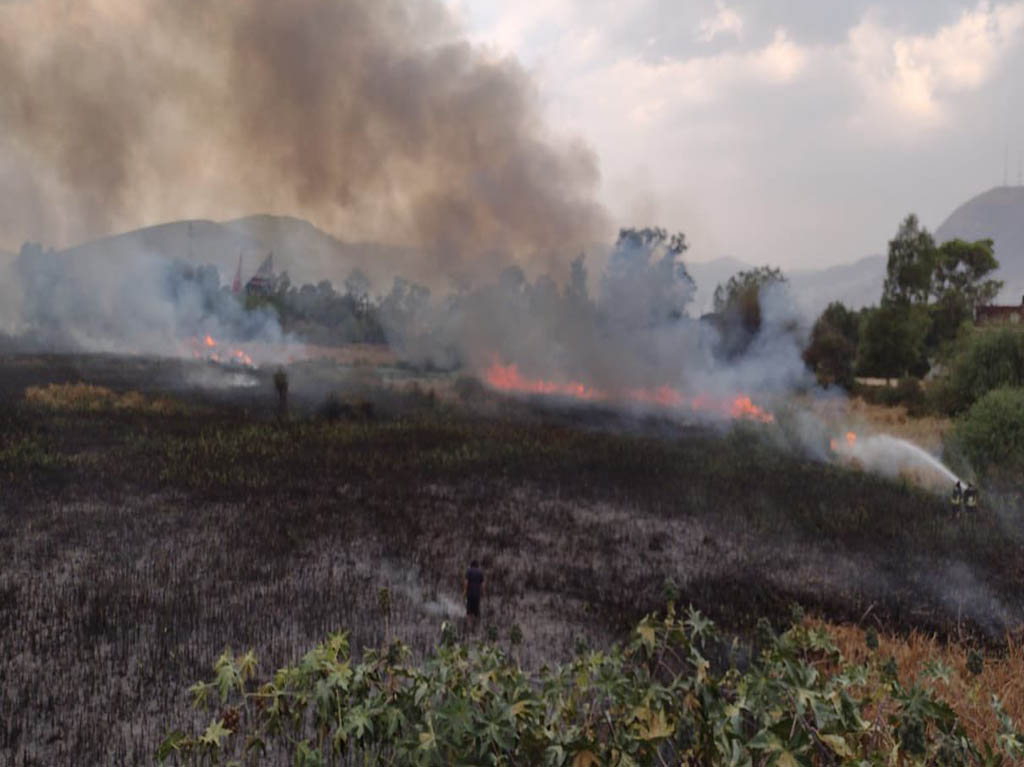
(987, 360)
(657, 700)
(991, 434)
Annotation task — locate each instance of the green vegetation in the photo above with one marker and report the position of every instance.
(991, 433)
(985, 360)
(675, 693)
(832, 347)
(929, 295)
(739, 299)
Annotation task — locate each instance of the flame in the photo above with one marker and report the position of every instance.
(508, 378)
(851, 441)
(242, 357)
(206, 348)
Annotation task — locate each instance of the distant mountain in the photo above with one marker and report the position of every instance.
(309, 254)
(305, 252)
(997, 214)
(856, 285)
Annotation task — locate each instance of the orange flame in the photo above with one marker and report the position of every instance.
(508, 378)
(851, 440)
(213, 354)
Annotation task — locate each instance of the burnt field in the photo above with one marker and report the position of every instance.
(140, 536)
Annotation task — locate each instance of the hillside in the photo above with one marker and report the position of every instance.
(856, 285)
(999, 214)
(309, 254)
(305, 252)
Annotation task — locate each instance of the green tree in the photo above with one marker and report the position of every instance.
(959, 285)
(912, 259)
(646, 282)
(991, 434)
(739, 299)
(986, 360)
(891, 341)
(832, 349)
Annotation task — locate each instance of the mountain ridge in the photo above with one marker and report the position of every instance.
(310, 254)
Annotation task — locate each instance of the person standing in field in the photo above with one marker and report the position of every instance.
(971, 498)
(473, 588)
(957, 497)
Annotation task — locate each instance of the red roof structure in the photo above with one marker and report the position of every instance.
(999, 315)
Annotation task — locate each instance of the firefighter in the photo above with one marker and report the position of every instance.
(957, 497)
(473, 589)
(971, 497)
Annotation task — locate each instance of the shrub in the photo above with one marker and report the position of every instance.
(657, 700)
(987, 360)
(991, 434)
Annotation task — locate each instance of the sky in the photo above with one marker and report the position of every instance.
(795, 133)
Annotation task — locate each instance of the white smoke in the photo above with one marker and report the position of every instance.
(129, 303)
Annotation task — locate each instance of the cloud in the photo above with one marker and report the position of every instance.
(916, 77)
(725, 21)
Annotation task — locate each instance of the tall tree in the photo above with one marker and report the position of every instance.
(892, 340)
(912, 258)
(740, 297)
(646, 282)
(960, 284)
(833, 345)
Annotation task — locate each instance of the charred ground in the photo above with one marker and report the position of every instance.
(138, 542)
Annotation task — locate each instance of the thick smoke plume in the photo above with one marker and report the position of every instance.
(372, 118)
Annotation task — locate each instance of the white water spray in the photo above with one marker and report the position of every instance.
(895, 457)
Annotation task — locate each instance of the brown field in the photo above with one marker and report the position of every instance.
(918, 655)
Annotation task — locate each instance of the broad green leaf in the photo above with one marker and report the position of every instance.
(647, 634)
(838, 744)
(214, 734)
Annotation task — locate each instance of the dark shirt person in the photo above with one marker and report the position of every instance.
(971, 497)
(473, 588)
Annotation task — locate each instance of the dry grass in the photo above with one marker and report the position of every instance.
(970, 695)
(83, 397)
(858, 415)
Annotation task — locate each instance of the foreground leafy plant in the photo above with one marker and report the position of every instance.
(657, 700)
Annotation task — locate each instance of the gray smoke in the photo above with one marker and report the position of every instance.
(637, 332)
(371, 118)
(132, 302)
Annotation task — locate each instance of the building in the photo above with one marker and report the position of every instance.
(999, 315)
